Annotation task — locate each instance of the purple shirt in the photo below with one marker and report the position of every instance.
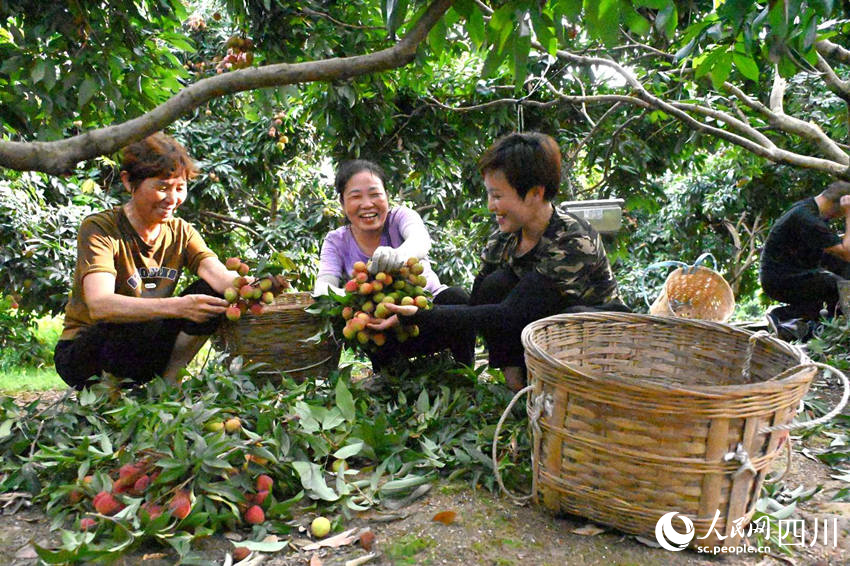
(340, 250)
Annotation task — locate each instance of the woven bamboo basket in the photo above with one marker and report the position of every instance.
(643, 415)
(277, 337)
(695, 292)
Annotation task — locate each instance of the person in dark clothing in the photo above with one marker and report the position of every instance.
(541, 261)
(803, 260)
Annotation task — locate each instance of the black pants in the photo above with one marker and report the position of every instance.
(806, 293)
(431, 340)
(504, 336)
(138, 351)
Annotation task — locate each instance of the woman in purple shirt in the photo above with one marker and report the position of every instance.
(384, 238)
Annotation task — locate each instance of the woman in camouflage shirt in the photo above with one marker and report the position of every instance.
(541, 261)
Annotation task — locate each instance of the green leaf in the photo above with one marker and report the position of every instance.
(396, 12)
(344, 401)
(348, 451)
(437, 37)
(654, 4)
(522, 45)
(6, 428)
(667, 20)
(38, 71)
(259, 546)
(181, 42)
(313, 481)
(332, 419)
(570, 9)
(491, 62)
(603, 19)
(720, 71)
(747, 66)
(475, 27)
(87, 90)
(634, 21)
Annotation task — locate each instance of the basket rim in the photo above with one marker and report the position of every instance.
(711, 391)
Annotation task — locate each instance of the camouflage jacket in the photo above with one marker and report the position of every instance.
(570, 253)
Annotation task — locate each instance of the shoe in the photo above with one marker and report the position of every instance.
(772, 323)
(375, 383)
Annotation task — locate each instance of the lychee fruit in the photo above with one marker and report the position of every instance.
(254, 515)
(264, 482)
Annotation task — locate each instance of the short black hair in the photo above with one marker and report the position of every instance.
(348, 169)
(527, 160)
(835, 190)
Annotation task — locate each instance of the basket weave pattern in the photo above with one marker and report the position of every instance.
(695, 292)
(275, 338)
(641, 410)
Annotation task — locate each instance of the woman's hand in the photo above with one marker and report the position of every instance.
(385, 258)
(201, 308)
(397, 310)
(844, 203)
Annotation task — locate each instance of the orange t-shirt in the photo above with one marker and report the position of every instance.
(107, 242)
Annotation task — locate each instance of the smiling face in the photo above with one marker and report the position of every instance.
(512, 212)
(364, 202)
(156, 199)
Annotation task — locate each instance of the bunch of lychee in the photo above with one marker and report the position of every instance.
(246, 295)
(252, 509)
(240, 54)
(368, 297)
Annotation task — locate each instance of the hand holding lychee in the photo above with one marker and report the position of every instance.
(373, 303)
(250, 294)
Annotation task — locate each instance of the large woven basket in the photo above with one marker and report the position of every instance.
(277, 337)
(644, 415)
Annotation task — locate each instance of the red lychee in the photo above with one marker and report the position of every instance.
(254, 515)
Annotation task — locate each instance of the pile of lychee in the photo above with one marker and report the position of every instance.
(368, 296)
(133, 479)
(247, 295)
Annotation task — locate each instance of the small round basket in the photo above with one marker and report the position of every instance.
(638, 416)
(695, 292)
(278, 339)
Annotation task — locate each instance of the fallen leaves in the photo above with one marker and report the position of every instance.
(367, 540)
(589, 530)
(342, 539)
(445, 517)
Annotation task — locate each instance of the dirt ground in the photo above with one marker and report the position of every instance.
(486, 530)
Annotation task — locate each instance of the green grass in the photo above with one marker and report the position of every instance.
(16, 380)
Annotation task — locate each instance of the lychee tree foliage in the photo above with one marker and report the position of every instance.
(169, 465)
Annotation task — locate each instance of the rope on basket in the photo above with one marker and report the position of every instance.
(535, 412)
(745, 372)
(827, 417)
(741, 455)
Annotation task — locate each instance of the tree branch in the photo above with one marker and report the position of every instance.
(833, 82)
(836, 164)
(59, 157)
(833, 51)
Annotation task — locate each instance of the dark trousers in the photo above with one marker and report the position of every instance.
(504, 335)
(431, 340)
(806, 293)
(138, 351)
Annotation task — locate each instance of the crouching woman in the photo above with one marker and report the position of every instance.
(542, 260)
